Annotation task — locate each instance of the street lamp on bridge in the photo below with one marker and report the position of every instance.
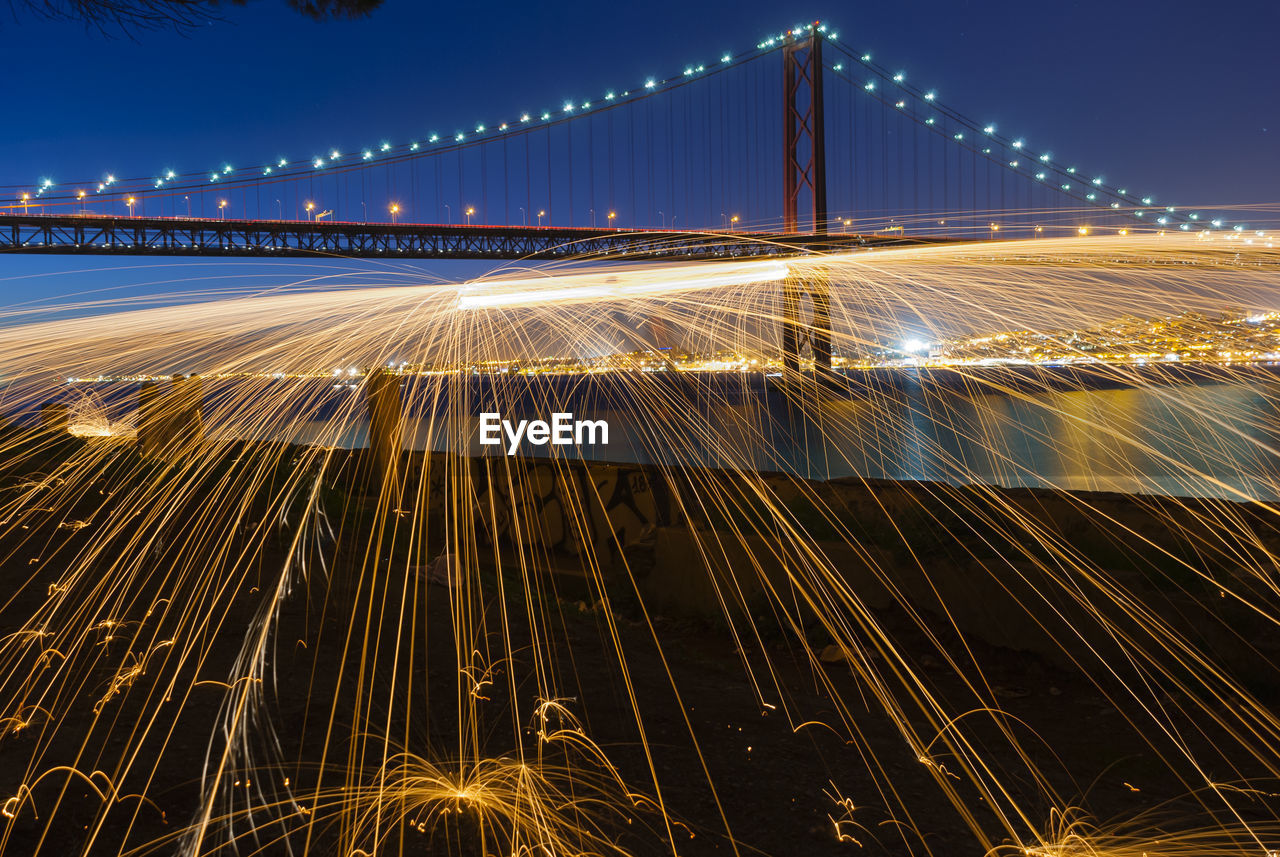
(222, 209)
(129, 201)
(611, 217)
(395, 210)
(310, 207)
(471, 209)
(541, 214)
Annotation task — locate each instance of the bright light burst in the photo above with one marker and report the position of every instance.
(226, 631)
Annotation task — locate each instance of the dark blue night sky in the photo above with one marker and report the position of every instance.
(1178, 98)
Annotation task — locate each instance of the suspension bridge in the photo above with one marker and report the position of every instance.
(798, 145)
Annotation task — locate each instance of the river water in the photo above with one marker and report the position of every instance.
(1158, 430)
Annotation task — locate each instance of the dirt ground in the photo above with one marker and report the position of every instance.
(740, 736)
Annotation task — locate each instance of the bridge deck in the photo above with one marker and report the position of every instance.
(88, 234)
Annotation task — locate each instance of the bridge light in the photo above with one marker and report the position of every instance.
(110, 178)
(1124, 231)
(385, 146)
(688, 71)
(609, 96)
(413, 147)
(1071, 170)
(959, 136)
(870, 85)
(899, 77)
(459, 136)
(479, 129)
(1066, 187)
(367, 154)
(1083, 230)
(1091, 196)
(433, 138)
(866, 57)
(170, 174)
(282, 163)
(318, 163)
(1045, 157)
(1098, 181)
(990, 129)
(1017, 144)
(838, 67)
(650, 83)
(334, 155)
(930, 95)
(1216, 223)
(524, 117)
(930, 121)
(900, 105)
(726, 58)
(1146, 200)
(1115, 205)
(226, 169)
(1014, 164)
(568, 107)
(1162, 220)
(1040, 176)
